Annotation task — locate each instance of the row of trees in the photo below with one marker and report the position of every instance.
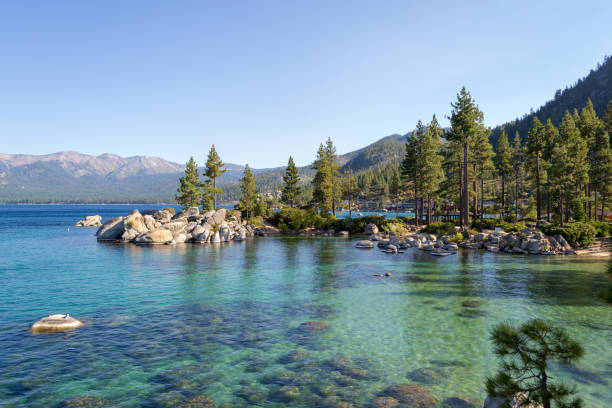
(192, 192)
(566, 171)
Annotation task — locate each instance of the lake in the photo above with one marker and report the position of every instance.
(165, 324)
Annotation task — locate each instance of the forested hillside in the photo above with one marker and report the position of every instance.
(597, 86)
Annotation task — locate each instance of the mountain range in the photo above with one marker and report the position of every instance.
(73, 177)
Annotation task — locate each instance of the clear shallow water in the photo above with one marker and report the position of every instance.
(165, 324)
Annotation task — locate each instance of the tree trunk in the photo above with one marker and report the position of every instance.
(416, 210)
(547, 205)
(350, 205)
(428, 209)
(538, 198)
(560, 210)
(503, 197)
(460, 197)
(595, 206)
(466, 210)
(603, 205)
(516, 198)
(475, 200)
(214, 193)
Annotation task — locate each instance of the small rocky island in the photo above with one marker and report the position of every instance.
(162, 227)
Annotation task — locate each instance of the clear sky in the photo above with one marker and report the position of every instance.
(266, 79)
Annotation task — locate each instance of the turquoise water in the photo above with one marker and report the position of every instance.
(165, 324)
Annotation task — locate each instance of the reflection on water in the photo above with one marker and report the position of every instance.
(277, 321)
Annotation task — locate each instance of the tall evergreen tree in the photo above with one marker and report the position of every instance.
(466, 121)
(395, 190)
(536, 147)
(248, 198)
(189, 193)
(518, 165)
(430, 162)
(291, 190)
(503, 164)
(332, 163)
(323, 189)
(411, 165)
(482, 163)
(350, 189)
(607, 118)
(569, 168)
(590, 125)
(551, 134)
(214, 169)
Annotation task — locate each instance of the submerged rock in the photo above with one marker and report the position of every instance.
(57, 322)
(84, 401)
(412, 395)
(457, 402)
(199, 401)
(384, 402)
(313, 326)
(425, 376)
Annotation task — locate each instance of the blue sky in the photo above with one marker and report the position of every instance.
(266, 79)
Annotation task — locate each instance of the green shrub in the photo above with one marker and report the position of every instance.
(297, 219)
(492, 223)
(603, 229)
(356, 225)
(579, 234)
(457, 238)
(440, 228)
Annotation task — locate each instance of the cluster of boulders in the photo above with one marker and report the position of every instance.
(528, 241)
(162, 227)
(90, 221)
(391, 243)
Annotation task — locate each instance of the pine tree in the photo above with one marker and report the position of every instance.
(248, 190)
(482, 163)
(503, 164)
(536, 146)
(291, 191)
(323, 189)
(466, 121)
(189, 191)
(551, 134)
(526, 353)
(607, 118)
(569, 168)
(518, 159)
(350, 189)
(334, 173)
(395, 190)
(430, 163)
(589, 125)
(601, 169)
(213, 170)
(411, 165)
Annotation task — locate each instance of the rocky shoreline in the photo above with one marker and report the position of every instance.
(162, 227)
(528, 241)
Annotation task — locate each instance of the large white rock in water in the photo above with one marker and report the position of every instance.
(57, 322)
(90, 221)
(134, 225)
(159, 236)
(111, 230)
